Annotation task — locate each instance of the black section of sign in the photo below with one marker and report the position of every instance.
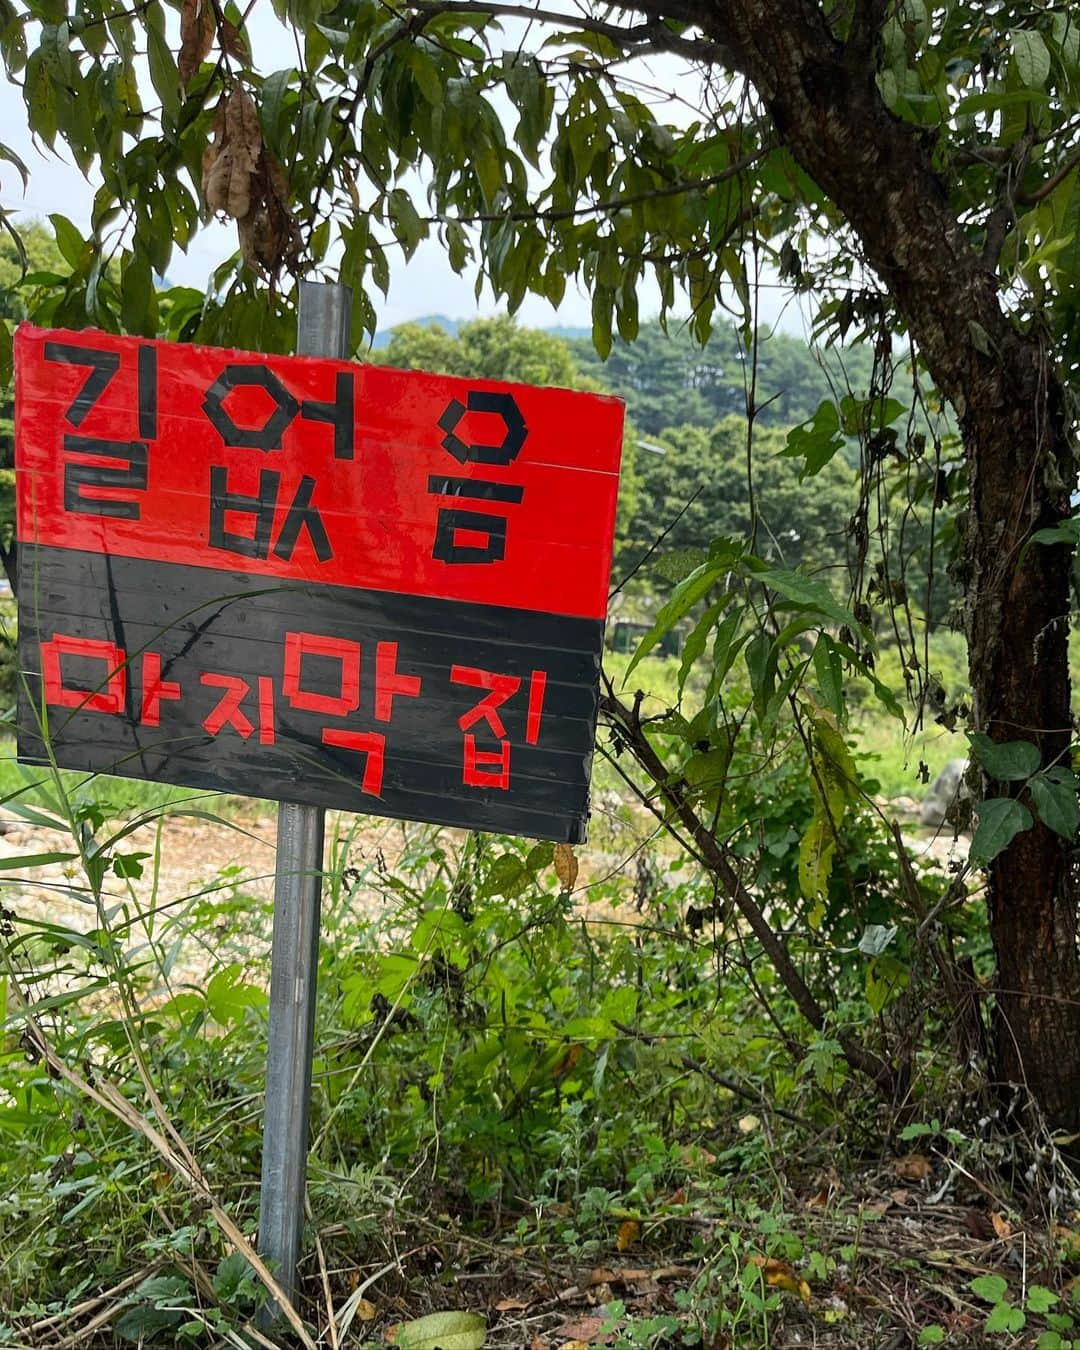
(461, 714)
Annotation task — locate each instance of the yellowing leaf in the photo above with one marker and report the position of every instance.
(566, 866)
(442, 1331)
(779, 1275)
(1002, 1227)
(629, 1233)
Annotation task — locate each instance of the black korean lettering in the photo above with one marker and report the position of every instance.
(268, 436)
(338, 414)
(302, 515)
(130, 473)
(484, 401)
(449, 549)
(103, 366)
(261, 508)
(479, 488)
(148, 392)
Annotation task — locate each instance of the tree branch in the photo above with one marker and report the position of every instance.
(628, 724)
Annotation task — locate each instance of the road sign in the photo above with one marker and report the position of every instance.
(311, 580)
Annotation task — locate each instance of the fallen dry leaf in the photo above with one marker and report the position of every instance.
(538, 1343)
(779, 1275)
(566, 866)
(512, 1305)
(1002, 1227)
(900, 1197)
(915, 1167)
(366, 1311)
(629, 1233)
(881, 1206)
(585, 1331)
(575, 1345)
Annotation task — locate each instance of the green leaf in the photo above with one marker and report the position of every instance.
(1054, 795)
(932, 1335)
(1005, 1317)
(1065, 532)
(815, 440)
(1051, 1340)
(408, 226)
(990, 1288)
(1001, 819)
(164, 75)
(830, 675)
(761, 658)
(68, 240)
(1040, 1299)
(816, 851)
(682, 599)
(885, 978)
(27, 860)
(1005, 761)
(694, 646)
(443, 1331)
(138, 303)
(805, 593)
(1031, 56)
(6, 355)
(228, 995)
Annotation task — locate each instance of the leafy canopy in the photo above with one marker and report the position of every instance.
(537, 153)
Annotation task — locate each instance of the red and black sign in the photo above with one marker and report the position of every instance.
(311, 580)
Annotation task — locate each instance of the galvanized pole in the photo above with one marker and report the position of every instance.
(323, 326)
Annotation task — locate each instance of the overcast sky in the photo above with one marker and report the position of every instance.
(426, 285)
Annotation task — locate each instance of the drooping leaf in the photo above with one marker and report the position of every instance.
(1054, 794)
(681, 601)
(1001, 819)
(806, 593)
(1031, 56)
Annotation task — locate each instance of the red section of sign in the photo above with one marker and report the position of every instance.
(317, 470)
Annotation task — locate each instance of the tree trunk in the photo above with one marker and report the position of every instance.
(822, 96)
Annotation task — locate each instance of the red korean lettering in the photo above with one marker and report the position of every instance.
(388, 683)
(537, 686)
(110, 699)
(502, 687)
(228, 712)
(347, 699)
(267, 733)
(155, 690)
(369, 743)
(486, 768)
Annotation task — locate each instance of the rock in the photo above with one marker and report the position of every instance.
(944, 803)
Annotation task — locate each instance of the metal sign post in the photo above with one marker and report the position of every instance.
(323, 330)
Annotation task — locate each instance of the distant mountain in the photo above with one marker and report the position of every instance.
(451, 326)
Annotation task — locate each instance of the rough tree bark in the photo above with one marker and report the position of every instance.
(822, 96)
